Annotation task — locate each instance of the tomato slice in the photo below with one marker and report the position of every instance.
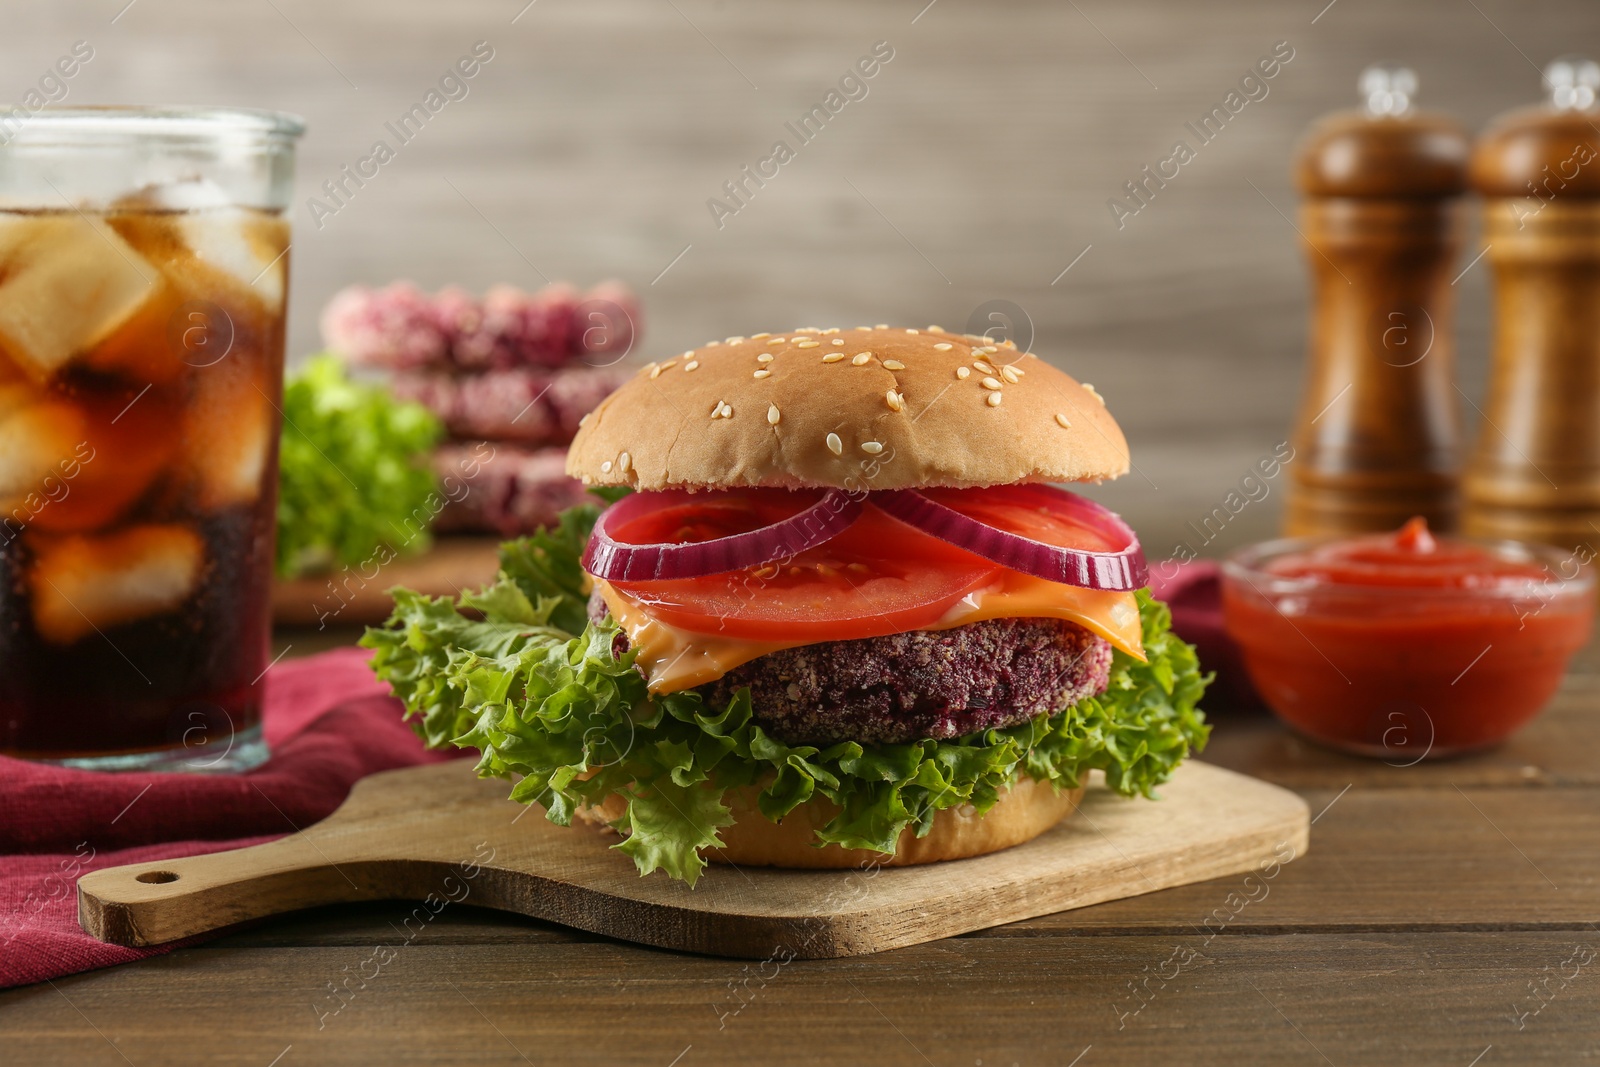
(689, 518)
(1034, 511)
(880, 576)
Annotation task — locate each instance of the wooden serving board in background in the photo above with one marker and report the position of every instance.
(439, 835)
(345, 598)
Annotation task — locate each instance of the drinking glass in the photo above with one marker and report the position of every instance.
(143, 273)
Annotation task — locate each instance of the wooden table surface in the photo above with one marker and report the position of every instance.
(1446, 914)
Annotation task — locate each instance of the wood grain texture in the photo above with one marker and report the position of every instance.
(351, 598)
(437, 834)
(1379, 1000)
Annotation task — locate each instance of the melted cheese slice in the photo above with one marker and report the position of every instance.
(674, 658)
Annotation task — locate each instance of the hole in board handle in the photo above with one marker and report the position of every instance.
(156, 877)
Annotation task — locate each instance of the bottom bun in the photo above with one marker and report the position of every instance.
(1024, 811)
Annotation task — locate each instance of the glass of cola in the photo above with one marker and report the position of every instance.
(143, 273)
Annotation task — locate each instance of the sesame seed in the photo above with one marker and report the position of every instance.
(765, 357)
(992, 383)
(896, 403)
(831, 329)
(835, 445)
(962, 372)
(773, 416)
(585, 420)
(864, 328)
(913, 331)
(1091, 391)
(775, 340)
(881, 326)
(809, 344)
(1061, 420)
(624, 461)
(1009, 375)
(669, 364)
(655, 370)
(712, 344)
(872, 447)
(1008, 343)
(893, 364)
(762, 373)
(691, 365)
(994, 400)
(735, 340)
(605, 468)
(861, 359)
(838, 341)
(759, 336)
(936, 329)
(943, 346)
(984, 366)
(808, 329)
(986, 349)
(833, 357)
(1019, 372)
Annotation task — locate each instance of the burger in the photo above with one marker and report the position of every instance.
(838, 612)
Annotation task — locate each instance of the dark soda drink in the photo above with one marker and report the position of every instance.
(141, 356)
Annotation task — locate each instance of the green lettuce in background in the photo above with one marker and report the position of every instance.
(534, 685)
(353, 470)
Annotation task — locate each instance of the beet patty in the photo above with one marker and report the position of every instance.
(921, 684)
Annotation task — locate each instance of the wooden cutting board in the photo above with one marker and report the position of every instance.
(347, 597)
(440, 836)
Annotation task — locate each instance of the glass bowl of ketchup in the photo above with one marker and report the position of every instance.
(1405, 646)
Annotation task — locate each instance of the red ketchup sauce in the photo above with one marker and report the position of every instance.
(1407, 645)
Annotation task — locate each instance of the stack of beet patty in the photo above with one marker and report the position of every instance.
(510, 374)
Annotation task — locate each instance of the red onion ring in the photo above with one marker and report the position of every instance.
(617, 561)
(1115, 571)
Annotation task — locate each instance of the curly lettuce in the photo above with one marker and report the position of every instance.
(353, 471)
(518, 672)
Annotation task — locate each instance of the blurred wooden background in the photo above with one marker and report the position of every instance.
(977, 168)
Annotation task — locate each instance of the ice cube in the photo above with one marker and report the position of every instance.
(228, 434)
(126, 440)
(35, 438)
(83, 584)
(246, 246)
(68, 282)
(188, 194)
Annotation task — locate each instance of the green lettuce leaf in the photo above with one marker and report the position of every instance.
(354, 482)
(538, 690)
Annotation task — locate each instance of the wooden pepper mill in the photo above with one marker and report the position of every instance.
(1377, 438)
(1535, 472)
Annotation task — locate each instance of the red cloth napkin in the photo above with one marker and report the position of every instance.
(1193, 591)
(328, 721)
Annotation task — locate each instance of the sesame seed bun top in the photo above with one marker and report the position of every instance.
(863, 408)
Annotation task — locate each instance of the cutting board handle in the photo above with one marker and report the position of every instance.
(164, 900)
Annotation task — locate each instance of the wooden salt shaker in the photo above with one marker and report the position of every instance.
(1535, 472)
(1377, 437)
